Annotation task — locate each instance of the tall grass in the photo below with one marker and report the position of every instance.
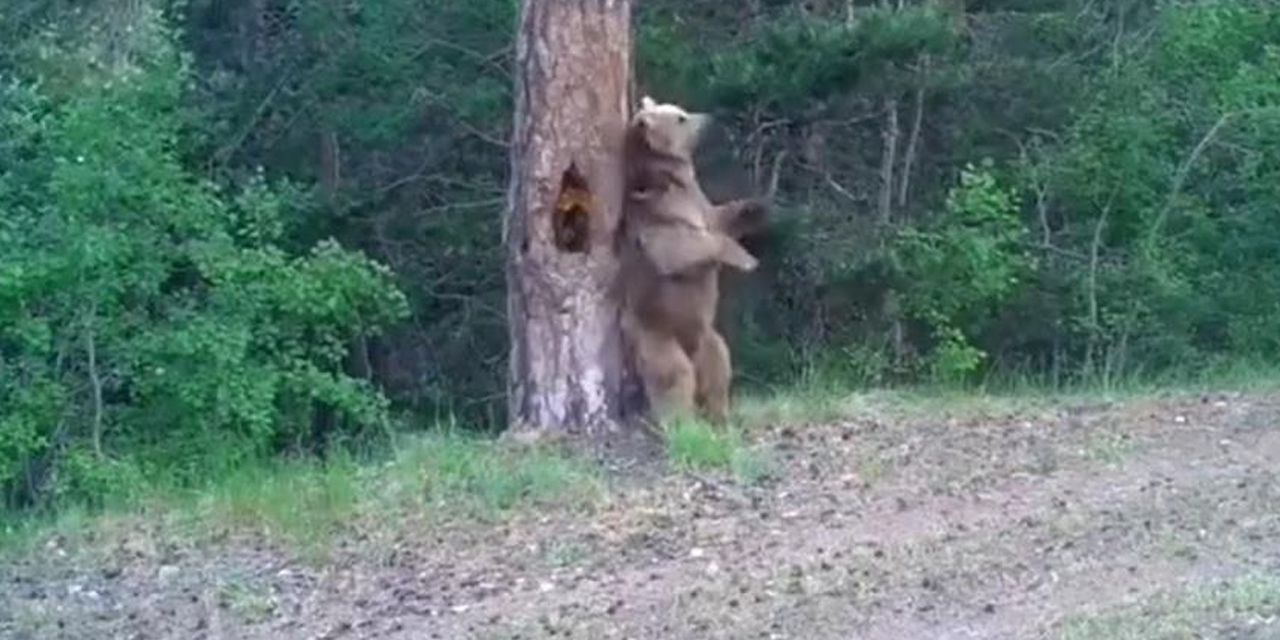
(305, 503)
(449, 473)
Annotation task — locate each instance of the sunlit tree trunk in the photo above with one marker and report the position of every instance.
(568, 372)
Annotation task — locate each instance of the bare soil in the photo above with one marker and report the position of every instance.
(975, 523)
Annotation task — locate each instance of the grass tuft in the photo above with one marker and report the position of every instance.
(694, 445)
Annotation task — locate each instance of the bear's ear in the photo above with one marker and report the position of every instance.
(647, 103)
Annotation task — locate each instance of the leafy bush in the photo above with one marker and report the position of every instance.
(957, 272)
(151, 321)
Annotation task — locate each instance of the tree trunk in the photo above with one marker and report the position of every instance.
(888, 158)
(568, 369)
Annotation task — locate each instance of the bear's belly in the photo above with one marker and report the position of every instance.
(683, 306)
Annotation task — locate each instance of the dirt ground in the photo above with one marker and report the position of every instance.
(1148, 518)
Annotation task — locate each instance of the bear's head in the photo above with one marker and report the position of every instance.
(667, 129)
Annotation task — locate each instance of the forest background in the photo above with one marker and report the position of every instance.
(232, 230)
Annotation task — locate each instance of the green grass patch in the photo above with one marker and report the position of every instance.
(567, 554)
(303, 502)
(695, 445)
(452, 470)
(808, 403)
(306, 503)
(438, 476)
(1243, 608)
(820, 400)
(1109, 447)
(248, 600)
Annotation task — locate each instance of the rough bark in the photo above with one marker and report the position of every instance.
(568, 371)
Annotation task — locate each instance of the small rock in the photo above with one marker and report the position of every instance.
(696, 552)
(713, 569)
(167, 572)
(1179, 419)
(546, 586)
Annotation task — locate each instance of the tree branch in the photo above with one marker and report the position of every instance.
(95, 380)
(909, 160)
(839, 188)
(1180, 178)
(225, 152)
(889, 158)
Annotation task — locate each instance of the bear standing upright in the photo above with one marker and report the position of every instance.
(673, 243)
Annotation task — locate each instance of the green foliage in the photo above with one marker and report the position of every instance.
(391, 115)
(153, 323)
(958, 271)
(1168, 174)
(189, 233)
(1120, 227)
(795, 60)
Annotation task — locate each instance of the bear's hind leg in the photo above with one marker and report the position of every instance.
(668, 375)
(714, 369)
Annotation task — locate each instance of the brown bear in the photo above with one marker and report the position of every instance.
(673, 244)
(674, 223)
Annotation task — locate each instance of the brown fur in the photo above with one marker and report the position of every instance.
(674, 242)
